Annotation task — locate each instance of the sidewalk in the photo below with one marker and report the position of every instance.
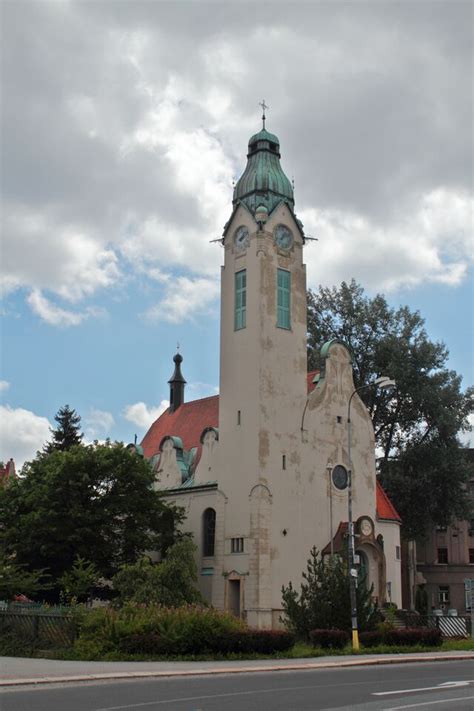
(16, 671)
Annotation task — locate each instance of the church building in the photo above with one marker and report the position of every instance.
(262, 468)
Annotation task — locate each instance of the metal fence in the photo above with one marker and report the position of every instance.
(57, 630)
(451, 627)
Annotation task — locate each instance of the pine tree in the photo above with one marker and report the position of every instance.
(67, 434)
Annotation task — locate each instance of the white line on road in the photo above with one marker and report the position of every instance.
(430, 703)
(444, 685)
(207, 696)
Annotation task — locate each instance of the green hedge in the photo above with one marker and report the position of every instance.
(156, 631)
(408, 637)
(329, 639)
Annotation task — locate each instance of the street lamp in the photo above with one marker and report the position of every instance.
(384, 383)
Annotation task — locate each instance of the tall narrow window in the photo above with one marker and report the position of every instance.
(209, 532)
(240, 316)
(283, 298)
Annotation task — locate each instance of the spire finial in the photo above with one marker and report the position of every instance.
(177, 346)
(264, 106)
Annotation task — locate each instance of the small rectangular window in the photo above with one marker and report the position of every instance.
(442, 555)
(471, 555)
(283, 462)
(283, 299)
(238, 417)
(237, 545)
(240, 315)
(397, 552)
(443, 594)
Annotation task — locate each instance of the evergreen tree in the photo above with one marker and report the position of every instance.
(67, 434)
(323, 601)
(423, 466)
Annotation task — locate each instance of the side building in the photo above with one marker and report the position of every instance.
(444, 560)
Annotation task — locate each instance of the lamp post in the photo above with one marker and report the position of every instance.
(384, 383)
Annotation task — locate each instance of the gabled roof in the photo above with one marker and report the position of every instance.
(187, 422)
(385, 509)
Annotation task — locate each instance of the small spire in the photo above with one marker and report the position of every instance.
(264, 106)
(177, 383)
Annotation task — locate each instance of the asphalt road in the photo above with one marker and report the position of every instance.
(377, 688)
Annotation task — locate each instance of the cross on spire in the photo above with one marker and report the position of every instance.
(264, 106)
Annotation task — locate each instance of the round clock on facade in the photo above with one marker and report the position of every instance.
(283, 237)
(241, 238)
(366, 527)
(339, 477)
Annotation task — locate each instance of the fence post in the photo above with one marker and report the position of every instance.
(35, 627)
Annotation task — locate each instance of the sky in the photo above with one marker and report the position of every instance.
(125, 125)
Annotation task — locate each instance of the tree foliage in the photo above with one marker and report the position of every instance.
(67, 434)
(416, 427)
(78, 582)
(95, 501)
(16, 580)
(324, 598)
(172, 582)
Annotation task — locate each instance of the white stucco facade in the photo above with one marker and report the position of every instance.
(265, 463)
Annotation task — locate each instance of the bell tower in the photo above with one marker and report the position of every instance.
(263, 362)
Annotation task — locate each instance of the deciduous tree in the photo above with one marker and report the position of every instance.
(95, 501)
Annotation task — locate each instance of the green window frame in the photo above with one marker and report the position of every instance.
(240, 312)
(283, 299)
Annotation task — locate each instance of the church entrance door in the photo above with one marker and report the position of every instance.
(234, 597)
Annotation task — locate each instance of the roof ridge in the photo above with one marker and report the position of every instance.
(199, 399)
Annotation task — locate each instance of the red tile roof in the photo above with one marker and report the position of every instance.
(191, 418)
(385, 508)
(187, 422)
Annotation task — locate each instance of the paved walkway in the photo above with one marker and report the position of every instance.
(17, 670)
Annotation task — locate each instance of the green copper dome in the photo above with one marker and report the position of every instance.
(263, 181)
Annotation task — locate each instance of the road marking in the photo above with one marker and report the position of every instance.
(207, 696)
(444, 685)
(430, 703)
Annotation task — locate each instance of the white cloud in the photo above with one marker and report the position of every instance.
(54, 315)
(4, 385)
(143, 415)
(98, 423)
(41, 253)
(184, 299)
(430, 243)
(22, 434)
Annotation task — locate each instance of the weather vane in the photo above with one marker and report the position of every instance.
(264, 106)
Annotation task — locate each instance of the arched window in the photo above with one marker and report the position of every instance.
(209, 532)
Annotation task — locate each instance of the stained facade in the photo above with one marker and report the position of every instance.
(261, 469)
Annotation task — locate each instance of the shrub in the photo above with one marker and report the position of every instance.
(329, 639)
(267, 641)
(412, 636)
(371, 639)
(155, 630)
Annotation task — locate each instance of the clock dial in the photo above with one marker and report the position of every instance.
(283, 237)
(365, 527)
(339, 477)
(241, 238)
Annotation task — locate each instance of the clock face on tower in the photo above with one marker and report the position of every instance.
(366, 527)
(283, 237)
(241, 238)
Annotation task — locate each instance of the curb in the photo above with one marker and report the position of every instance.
(230, 670)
